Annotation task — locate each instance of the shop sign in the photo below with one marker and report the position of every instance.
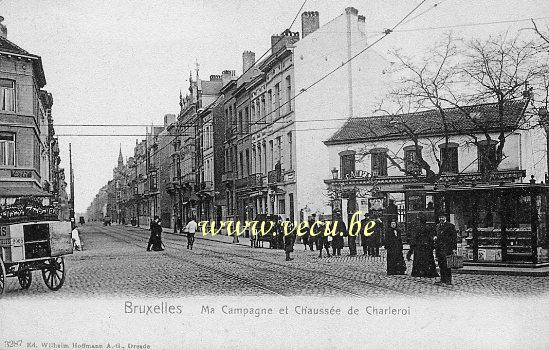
(21, 173)
(359, 174)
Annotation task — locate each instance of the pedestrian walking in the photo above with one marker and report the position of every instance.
(190, 229)
(421, 247)
(445, 244)
(312, 239)
(351, 241)
(154, 240)
(376, 238)
(77, 244)
(324, 241)
(253, 239)
(365, 240)
(393, 246)
(341, 231)
(289, 239)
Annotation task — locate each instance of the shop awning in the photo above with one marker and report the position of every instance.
(23, 191)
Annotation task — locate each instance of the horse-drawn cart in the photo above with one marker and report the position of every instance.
(30, 243)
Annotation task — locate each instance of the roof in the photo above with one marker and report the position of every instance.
(210, 87)
(476, 118)
(9, 47)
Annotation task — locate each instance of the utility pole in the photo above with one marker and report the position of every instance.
(71, 176)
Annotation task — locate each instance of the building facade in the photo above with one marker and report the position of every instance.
(29, 150)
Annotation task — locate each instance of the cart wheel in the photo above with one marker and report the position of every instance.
(53, 273)
(25, 278)
(2, 277)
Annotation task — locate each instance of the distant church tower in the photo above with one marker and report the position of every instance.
(120, 158)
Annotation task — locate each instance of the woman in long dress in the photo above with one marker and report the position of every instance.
(393, 245)
(421, 247)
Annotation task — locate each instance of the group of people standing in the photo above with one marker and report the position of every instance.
(442, 240)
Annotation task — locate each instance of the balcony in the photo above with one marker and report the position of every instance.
(275, 176)
(255, 180)
(227, 177)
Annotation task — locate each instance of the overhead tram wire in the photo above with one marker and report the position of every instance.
(258, 122)
(217, 99)
(343, 64)
(474, 24)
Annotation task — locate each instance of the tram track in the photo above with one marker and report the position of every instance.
(257, 285)
(219, 255)
(303, 270)
(450, 289)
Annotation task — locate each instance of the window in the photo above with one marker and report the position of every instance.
(7, 95)
(260, 168)
(7, 149)
(279, 149)
(270, 106)
(265, 156)
(379, 162)
(254, 160)
(282, 206)
(262, 108)
(240, 126)
(486, 156)
(276, 102)
(153, 181)
(449, 157)
(290, 150)
(241, 164)
(246, 120)
(248, 172)
(288, 94)
(411, 164)
(347, 163)
(271, 149)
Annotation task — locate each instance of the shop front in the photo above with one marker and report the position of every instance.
(498, 224)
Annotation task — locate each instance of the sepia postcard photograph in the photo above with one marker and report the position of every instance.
(253, 174)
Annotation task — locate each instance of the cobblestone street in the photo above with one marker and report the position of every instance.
(114, 263)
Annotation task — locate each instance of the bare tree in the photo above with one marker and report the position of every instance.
(454, 76)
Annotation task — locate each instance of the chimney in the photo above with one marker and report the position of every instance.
(362, 24)
(351, 11)
(309, 22)
(280, 41)
(227, 75)
(248, 60)
(3, 28)
(169, 119)
(215, 77)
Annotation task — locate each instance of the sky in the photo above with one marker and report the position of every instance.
(124, 62)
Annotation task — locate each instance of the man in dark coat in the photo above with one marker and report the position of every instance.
(351, 241)
(289, 239)
(155, 240)
(337, 242)
(312, 240)
(445, 244)
(375, 238)
(364, 240)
